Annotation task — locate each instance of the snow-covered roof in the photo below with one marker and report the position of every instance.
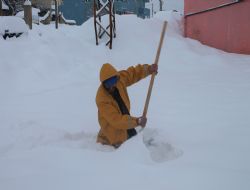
(68, 21)
(12, 24)
(45, 16)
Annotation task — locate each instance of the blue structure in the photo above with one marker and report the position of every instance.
(132, 6)
(73, 10)
(81, 10)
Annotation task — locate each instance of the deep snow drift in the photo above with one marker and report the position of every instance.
(198, 115)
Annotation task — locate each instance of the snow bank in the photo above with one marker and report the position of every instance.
(198, 114)
(12, 24)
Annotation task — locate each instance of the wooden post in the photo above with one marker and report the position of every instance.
(56, 13)
(113, 15)
(111, 24)
(1, 13)
(28, 13)
(161, 3)
(153, 75)
(95, 25)
(152, 10)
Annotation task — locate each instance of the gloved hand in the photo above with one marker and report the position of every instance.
(153, 68)
(141, 121)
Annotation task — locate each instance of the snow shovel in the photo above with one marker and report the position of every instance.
(153, 75)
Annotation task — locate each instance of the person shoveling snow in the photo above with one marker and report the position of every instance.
(114, 106)
(113, 102)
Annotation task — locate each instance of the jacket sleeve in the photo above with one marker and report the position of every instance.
(134, 74)
(114, 118)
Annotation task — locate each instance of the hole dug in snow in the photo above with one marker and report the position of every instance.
(160, 150)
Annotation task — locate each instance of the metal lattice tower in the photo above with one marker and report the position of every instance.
(101, 8)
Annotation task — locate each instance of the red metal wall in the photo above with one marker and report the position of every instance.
(226, 28)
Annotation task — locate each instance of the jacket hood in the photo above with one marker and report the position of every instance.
(107, 71)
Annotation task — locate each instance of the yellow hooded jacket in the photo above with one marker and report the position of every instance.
(113, 124)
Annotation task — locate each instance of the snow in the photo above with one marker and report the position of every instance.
(73, 22)
(45, 16)
(174, 5)
(35, 16)
(27, 2)
(198, 116)
(4, 6)
(12, 24)
(167, 5)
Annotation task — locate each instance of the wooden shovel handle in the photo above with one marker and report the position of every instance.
(153, 75)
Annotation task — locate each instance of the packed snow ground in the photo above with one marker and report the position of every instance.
(199, 111)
